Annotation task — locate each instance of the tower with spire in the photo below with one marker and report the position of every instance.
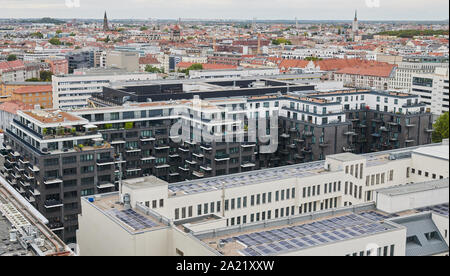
(355, 25)
(105, 23)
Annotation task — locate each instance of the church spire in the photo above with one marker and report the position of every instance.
(105, 23)
(356, 15)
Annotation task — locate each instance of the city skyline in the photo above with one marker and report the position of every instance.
(370, 10)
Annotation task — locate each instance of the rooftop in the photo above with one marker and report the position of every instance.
(416, 187)
(134, 221)
(52, 116)
(274, 174)
(298, 232)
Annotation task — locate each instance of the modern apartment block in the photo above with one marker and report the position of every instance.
(433, 90)
(73, 91)
(52, 158)
(391, 203)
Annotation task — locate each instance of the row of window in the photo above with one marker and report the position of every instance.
(316, 189)
(380, 251)
(421, 173)
(261, 216)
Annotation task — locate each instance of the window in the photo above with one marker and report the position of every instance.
(177, 213)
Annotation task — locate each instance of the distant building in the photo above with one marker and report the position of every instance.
(40, 95)
(128, 61)
(105, 23)
(14, 71)
(73, 91)
(355, 26)
(8, 112)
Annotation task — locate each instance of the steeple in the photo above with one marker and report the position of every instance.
(356, 15)
(105, 23)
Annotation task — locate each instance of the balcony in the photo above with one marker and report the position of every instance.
(199, 155)
(248, 165)
(393, 123)
(307, 150)
(410, 125)
(248, 145)
(191, 162)
(105, 185)
(206, 146)
(292, 146)
(348, 149)
(51, 181)
(324, 144)
(308, 133)
(207, 168)
(130, 150)
(285, 135)
(53, 203)
(56, 226)
(429, 130)
(408, 141)
(376, 135)
(198, 174)
(384, 129)
(105, 161)
(350, 133)
(162, 147)
(298, 156)
(222, 157)
(147, 139)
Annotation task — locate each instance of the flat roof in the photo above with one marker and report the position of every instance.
(279, 173)
(134, 220)
(441, 151)
(144, 182)
(346, 156)
(300, 232)
(416, 187)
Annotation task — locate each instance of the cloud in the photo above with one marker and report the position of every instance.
(231, 9)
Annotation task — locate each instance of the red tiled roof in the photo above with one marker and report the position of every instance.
(8, 66)
(33, 89)
(13, 106)
(206, 66)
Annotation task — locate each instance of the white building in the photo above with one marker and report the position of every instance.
(413, 65)
(238, 73)
(73, 91)
(318, 208)
(433, 90)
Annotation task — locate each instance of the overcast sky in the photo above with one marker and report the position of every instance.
(230, 9)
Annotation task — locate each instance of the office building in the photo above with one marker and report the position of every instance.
(331, 207)
(73, 91)
(433, 90)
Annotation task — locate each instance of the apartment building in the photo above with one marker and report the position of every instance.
(73, 91)
(18, 71)
(377, 76)
(331, 207)
(433, 90)
(40, 95)
(52, 158)
(412, 65)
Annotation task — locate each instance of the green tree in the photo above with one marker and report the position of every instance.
(45, 76)
(37, 35)
(144, 28)
(11, 58)
(58, 32)
(152, 69)
(195, 66)
(441, 128)
(55, 41)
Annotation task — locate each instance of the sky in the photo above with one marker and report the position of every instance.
(229, 9)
